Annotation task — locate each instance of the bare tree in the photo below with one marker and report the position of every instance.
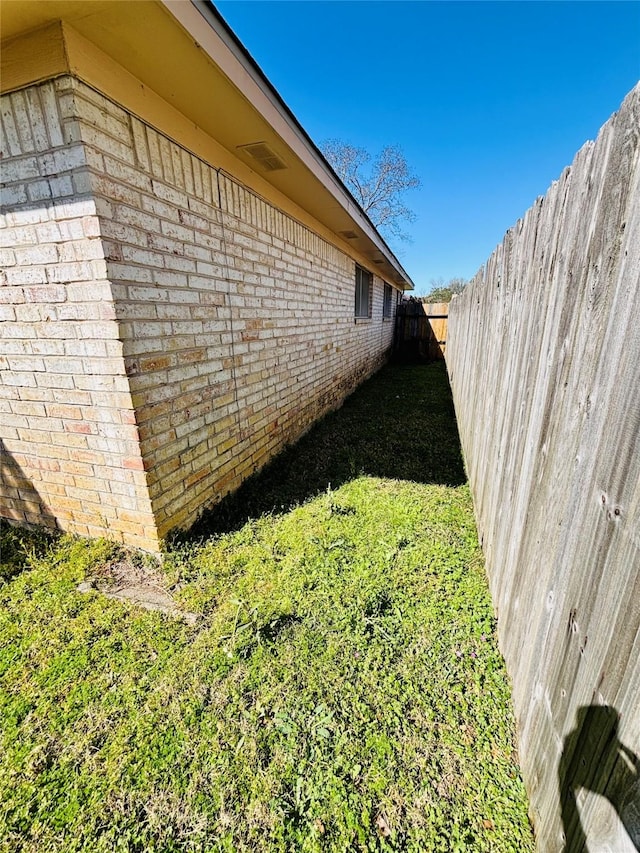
(378, 186)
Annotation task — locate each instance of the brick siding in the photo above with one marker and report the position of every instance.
(70, 453)
(177, 330)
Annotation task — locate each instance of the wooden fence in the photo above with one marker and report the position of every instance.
(544, 360)
(421, 331)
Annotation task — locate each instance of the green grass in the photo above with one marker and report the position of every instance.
(342, 689)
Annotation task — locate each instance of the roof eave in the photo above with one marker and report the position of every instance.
(289, 127)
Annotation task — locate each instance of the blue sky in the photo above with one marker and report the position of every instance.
(489, 101)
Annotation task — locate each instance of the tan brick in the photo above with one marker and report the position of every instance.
(57, 410)
(68, 504)
(169, 272)
(90, 457)
(133, 463)
(83, 427)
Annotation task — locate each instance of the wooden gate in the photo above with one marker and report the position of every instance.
(421, 331)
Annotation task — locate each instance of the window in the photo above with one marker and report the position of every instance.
(364, 286)
(387, 305)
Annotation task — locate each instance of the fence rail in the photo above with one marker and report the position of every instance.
(421, 331)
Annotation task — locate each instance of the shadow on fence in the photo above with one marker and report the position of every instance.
(400, 425)
(420, 333)
(594, 759)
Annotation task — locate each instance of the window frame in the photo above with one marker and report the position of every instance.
(387, 301)
(363, 283)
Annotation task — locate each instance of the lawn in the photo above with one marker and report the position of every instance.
(340, 690)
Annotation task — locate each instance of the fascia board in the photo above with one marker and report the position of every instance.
(224, 49)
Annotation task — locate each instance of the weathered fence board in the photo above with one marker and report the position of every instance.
(438, 318)
(421, 330)
(544, 359)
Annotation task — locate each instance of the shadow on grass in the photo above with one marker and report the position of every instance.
(400, 424)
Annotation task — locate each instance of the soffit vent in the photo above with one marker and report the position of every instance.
(348, 235)
(378, 261)
(264, 156)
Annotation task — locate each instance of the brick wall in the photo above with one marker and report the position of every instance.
(228, 323)
(70, 453)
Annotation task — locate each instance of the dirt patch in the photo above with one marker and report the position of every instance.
(143, 586)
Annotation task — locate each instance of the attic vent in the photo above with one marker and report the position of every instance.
(349, 235)
(378, 261)
(264, 156)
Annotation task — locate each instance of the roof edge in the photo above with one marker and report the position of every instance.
(332, 182)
